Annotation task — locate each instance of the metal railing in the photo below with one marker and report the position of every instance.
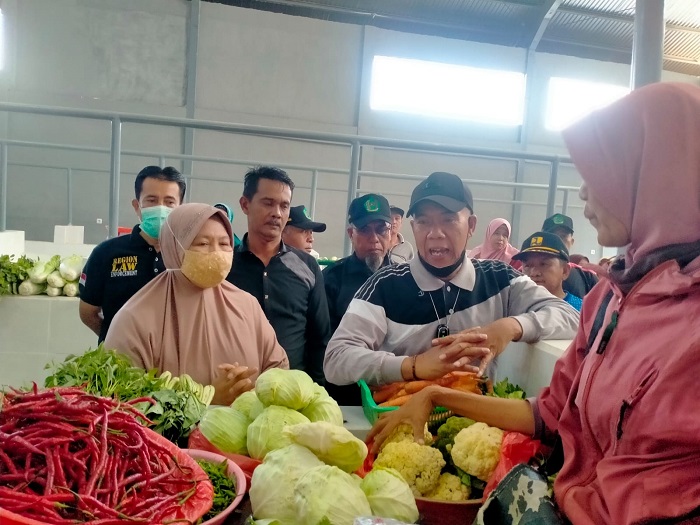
(354, 142)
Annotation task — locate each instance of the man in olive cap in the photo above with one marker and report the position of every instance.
(369, 229)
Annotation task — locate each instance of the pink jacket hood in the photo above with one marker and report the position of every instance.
(628, 416)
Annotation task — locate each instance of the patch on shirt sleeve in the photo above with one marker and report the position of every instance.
(83, 278)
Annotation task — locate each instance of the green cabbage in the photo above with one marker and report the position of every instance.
(226, 429)
(326, 495)
(256, 409)
(245, 402)
(272, 485)
(389, 495)
(332, 444)
(288, 388)
(324, 408)
(265, 433)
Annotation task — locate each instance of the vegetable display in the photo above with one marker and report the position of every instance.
(53, 277)
(176, 404)
(458, 463)
(69, 457)
(304, 478)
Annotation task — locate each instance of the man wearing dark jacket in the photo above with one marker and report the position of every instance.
(369, 229)
(580, 281)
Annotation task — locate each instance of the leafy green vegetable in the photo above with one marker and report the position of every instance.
(508, 390)
(109, 374)
(105, 373)
(224, 487)
(12, 273)
(175, 414)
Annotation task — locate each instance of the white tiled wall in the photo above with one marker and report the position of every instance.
(35, 331)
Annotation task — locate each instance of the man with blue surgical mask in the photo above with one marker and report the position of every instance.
(120, 267)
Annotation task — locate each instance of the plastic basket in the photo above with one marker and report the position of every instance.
(372, 411)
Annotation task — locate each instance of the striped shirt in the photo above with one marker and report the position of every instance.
(397, 311)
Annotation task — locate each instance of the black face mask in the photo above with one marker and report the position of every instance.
(441, 273)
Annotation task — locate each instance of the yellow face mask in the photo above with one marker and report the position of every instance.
(206, 269)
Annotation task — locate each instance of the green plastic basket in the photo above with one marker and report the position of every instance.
(373, 411)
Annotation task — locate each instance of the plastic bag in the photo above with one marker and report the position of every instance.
(516, 448)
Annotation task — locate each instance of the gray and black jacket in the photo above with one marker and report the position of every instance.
(393, 316)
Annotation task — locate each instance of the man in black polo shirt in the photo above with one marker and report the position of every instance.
(120, 267)
(369, 229)
(287, 282)
(580, 280)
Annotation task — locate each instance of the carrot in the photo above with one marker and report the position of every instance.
(397, 401)
(384, 393)
(467, 384)
(416, 386)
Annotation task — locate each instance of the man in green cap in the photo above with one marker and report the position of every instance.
(580, 281)
(369, 229)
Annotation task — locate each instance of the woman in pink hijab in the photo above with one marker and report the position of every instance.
(623, 398)
(496, 245)
(190, 319)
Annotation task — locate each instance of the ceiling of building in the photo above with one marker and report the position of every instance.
(596, 29)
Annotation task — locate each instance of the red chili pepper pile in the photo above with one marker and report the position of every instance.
(67, 457)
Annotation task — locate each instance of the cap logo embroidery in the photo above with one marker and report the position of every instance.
(536, 241)
(558, 219)
(372, 205)
(306, 213)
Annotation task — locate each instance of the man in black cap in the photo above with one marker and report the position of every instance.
(401, 250)
(580, 281)
(442, 310)
(299, 231)
(546, 261)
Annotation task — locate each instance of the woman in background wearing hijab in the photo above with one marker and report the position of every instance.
(496, 245)
(625, 405)
(190, 319)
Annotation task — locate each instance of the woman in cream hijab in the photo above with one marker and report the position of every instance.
(190, 319)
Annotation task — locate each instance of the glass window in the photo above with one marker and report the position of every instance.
(447, 91)
(570, 99)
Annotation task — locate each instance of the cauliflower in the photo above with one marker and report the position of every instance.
(404, 432)
(420, 465)
(450, 488)
(446, 434)
(477, 450)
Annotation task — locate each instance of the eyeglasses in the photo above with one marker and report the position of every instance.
(380, 230)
